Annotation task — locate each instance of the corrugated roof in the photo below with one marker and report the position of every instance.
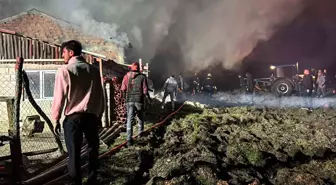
(39, 25)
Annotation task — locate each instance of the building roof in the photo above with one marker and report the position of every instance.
(39, 25)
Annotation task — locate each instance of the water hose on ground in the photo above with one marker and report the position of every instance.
(56, 173)
(40, 111)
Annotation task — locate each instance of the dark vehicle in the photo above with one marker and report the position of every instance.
(284, 81)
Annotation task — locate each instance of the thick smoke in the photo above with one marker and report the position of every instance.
(76, 12)
(206, 32)
(228, 30)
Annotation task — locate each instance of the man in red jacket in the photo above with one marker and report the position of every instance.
(135, 86)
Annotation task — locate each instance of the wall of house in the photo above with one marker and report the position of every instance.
(7, 88)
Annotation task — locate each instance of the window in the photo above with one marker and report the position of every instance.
(41, 83)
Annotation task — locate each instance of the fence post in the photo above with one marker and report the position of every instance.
(16, 152)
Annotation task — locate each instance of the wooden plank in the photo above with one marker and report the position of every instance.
(60, 52)
(15, 46)
(56, 52)
(48, 51)
(26, 48)
(39, 49)
(5, 46)
(30, 48)
(38, 46)
(10, 46)
(1, 46)
(20, 47)
(52, 52)
(23, 44)
(44, 49)
(33, 48)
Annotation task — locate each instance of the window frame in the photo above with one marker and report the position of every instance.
(42, 81)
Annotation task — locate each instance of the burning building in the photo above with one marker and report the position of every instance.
(36, 36)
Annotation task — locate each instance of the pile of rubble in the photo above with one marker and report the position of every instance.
(237, 145)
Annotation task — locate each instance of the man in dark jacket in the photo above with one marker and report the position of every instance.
(195, 84)
(209, 88)
(308, 84)
(249, 82)
(136, 87)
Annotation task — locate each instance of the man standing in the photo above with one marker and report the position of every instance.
(308, 83)
(181, 86)
(170, 88)
(79, 85)
(136, 87)
(209, 87)
(195, 84)
(321, 84)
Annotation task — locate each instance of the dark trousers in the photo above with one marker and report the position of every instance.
(75, 126)
(172, 98)
(208, 90)
(321, 91)
(134, 109)
(309, 98)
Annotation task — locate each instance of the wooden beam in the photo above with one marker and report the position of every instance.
(11, 46)
(30, 48)
(44, 50)
(56, 52)
(26, 48)
(33, 48)
(1, 46)
(52, 52)
(33, 60)
(15, 46)
(8, 46)
(7, 31)
(37, 49)
(5, 46)
(20, 47)
(94, 54)
(48, 51)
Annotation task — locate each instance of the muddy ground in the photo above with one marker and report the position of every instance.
(236, 145)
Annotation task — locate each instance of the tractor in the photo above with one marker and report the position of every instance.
(284, 81)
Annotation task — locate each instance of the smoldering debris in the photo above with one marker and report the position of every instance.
(235, 145)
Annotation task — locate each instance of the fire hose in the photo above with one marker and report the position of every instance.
(41, 178)
(39, 110)
(105, 135)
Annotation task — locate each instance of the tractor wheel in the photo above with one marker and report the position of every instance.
(282, 87)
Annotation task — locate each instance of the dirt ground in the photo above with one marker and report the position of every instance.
(229, 145)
